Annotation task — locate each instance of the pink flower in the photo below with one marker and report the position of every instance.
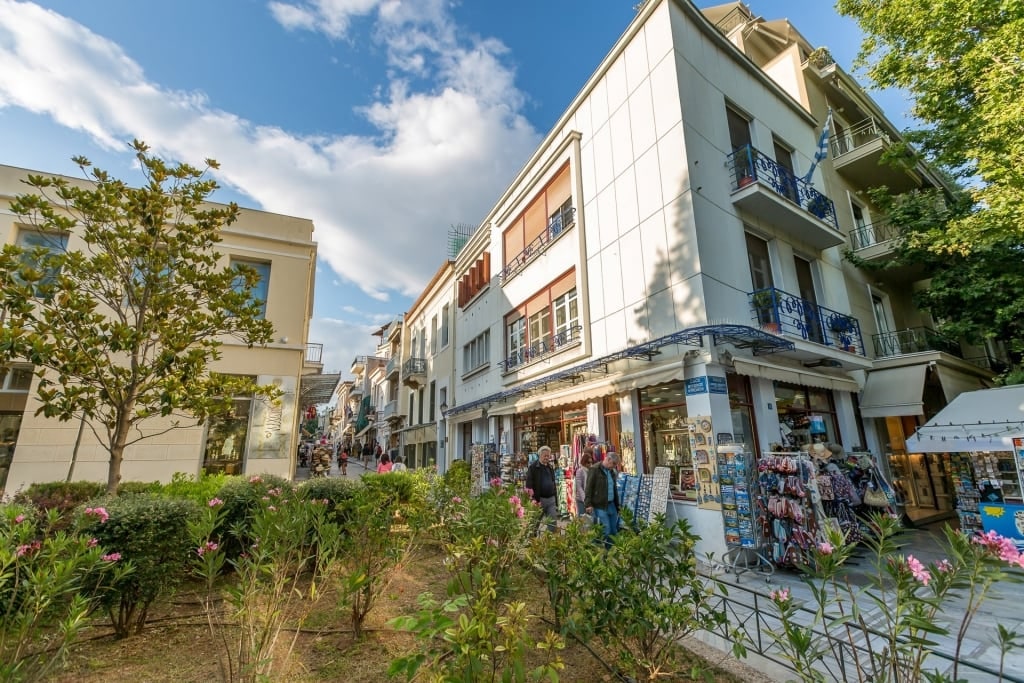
(203, 549)
(19, 519)
(255, 479)
(520, 511)
(274, 491)
(22, 550)
(825, 548)
(456, 499)
(514, 500)
(944, 566)
(496, 482)
(492, 542)
(272, 508)
(92, 543)
(98, 512)
(112, 557)
(781, 595)
(214, 502)
(918, 570)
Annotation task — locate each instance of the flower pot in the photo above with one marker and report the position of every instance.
(744, 181)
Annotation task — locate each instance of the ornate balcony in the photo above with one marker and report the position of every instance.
(874, 242)
(560, 221)
(544, 348)
(414, 372)
(781, 312)
(857, 155)
(765, 188)
(913, 340)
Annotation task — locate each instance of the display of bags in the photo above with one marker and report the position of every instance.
(875, 497)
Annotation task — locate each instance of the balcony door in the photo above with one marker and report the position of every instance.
(739, 139)
(809, 312)
(761, 276)
(886, 343)
(787, 176)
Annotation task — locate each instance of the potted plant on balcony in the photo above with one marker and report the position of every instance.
(842, 331)
(764, 308)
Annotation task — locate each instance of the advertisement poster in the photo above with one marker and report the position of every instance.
(705, 467)
(1005, 520)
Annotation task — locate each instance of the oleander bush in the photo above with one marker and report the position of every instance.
(457, 478)
(199, 490)
(242, 498)
(64, 497)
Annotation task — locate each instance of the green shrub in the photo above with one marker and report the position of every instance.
(457, 478)
(336, 491)
(241, 498)
(60, 496)
(199, 491)
(130, 487)
(152, 532)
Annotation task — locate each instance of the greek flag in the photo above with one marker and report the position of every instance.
(822, 152)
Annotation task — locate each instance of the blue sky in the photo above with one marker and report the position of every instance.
(385, 121)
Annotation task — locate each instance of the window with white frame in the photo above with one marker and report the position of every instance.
(16, 378)
(259, 292)
(433, 335)
(517, 338)
(540, 330)
(567, 317)
(444, 326)
(477, 353)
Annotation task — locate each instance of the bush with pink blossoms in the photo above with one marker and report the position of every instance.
(913, 602)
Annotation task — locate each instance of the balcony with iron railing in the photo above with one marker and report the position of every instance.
(874, 242)
(390, 410)
(558, 223)
(314, 354)
(857, 154)
(767, 189)
(566, 338)
(913, 340)
(414, 372)
(784, 313)
(393, 366)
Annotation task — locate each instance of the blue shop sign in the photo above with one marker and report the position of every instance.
(697, 385)
(717, 385)
(1005, 520)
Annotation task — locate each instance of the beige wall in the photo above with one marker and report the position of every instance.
(45, 446)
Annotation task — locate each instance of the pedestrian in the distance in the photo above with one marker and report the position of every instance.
(398, 465)
(579, 489)
(602, 495)
(385, 464)
(540, 479)
(343, 460)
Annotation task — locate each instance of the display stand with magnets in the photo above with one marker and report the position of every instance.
(737, 478)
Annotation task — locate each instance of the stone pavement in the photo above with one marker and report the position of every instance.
(750, 607)
(355, 469)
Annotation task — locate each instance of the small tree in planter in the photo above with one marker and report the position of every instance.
(765, 302)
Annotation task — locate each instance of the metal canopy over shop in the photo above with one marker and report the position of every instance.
(740, 336)
(317, 389)
(894, 392)
(753, 367)
(985, 420)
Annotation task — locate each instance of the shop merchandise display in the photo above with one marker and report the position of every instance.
(787, 518)
(968, 495)
(738, 478)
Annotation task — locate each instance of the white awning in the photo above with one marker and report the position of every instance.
(985, 420)
(648, 376)
(894, 391)
(755, 367)
(955, 383)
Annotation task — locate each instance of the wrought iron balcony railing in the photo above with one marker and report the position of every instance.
(778, 311)
(878, 232)
(394, 363)
(314, 353)
(415, 366)
(541, 349)
(747, 165)
(856, 136)
(390, 409)
(559, 222)
(913, 340)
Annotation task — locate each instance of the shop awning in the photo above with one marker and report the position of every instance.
(955, 382)
(985, 420)
(753, 367)
(647, 377)
(894, 391)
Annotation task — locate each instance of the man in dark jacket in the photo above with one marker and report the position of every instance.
(540, 479)
(602, 495)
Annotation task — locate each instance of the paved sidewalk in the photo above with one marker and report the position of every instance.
(355, 469)
(750, 607)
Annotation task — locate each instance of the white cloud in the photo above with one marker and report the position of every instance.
(382, 204)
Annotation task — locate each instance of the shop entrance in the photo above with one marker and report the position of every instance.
(922, 480)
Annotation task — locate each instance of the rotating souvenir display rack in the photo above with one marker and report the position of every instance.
(738, 480)
(788, 507)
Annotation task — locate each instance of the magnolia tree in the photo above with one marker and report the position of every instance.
(123, 302)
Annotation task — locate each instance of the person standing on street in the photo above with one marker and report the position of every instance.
(540, 479)
(602, 495)
(579, 489)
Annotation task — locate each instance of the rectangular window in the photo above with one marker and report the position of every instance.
(412, 406)
(432, 414)
(739, 129)
(477, 352)
(226, 438)
(257, 293)
(567, 317)
(517, 339)
(419, 414)
(760, 263)
(540, 331)
(444, 326)
(433, 336)
(39, 248)
(15, 378)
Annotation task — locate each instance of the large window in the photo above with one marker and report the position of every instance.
(551, 207)
(226, 439)
(477, 353)
(546, 322)
(257, 293)
(16, 378)
(432, 415)
(741, 406)
(806, 415)
(666, 436)
(517, 338)
(540, 330)
(444, 326)
(39, 246)
(433, 335)
(567, 316)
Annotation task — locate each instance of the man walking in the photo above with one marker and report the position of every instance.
(540, 478)
(602, 495)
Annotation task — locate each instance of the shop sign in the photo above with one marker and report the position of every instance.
(717, 385)
(1005, 520)
(697, 385)
(272, 421)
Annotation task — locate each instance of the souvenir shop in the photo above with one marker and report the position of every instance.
(979, 439)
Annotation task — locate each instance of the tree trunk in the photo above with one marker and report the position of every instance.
(114, 470)
(74, 453)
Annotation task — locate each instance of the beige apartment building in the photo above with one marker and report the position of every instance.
(259, 437)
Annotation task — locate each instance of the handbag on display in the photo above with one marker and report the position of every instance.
(875, 497)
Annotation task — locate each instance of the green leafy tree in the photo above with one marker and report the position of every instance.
(960, 61)
(126, 309)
